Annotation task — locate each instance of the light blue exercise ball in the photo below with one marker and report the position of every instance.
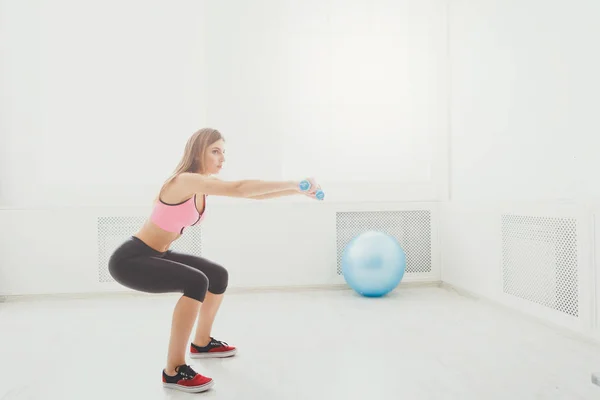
(373, 263)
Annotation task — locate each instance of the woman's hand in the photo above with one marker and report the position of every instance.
(311, 195)
(312, 191)
(314, 187)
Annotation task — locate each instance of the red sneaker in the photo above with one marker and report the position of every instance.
(215, 348)
(187, 380)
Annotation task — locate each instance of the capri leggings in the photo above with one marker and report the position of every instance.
(138, 266)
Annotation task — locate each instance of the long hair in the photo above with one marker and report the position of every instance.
(192, 160)
(193, 154)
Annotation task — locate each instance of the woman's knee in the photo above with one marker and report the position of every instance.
(218, 280)
(196, 286)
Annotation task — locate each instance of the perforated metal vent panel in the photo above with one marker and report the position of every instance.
(112, 231)
(411, 228)
(539, 261)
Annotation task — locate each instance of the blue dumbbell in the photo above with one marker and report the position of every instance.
(305, 185)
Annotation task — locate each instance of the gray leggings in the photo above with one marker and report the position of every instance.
(138, 266)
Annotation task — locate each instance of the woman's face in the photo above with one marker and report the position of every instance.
(214, 157)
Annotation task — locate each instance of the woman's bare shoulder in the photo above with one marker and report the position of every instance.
(193, 183)
(192, 178)
(178, 188)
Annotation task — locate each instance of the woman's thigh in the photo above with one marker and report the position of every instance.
(218, 277)
(159, 275)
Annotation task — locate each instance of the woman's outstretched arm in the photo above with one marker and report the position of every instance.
(247, 188)
(274, 195)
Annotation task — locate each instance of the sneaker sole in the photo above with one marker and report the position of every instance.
(189, 389)
(214, 354)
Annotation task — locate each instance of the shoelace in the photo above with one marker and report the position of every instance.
(216, 342)
(186, 372)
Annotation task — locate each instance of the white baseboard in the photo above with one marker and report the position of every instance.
(230, 291)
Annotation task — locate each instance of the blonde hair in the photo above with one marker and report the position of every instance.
(193, 154)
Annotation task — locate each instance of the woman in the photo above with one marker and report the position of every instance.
(145, 263)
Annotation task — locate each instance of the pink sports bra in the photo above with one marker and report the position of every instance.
(176, 217)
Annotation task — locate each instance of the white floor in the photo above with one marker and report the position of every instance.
(419, 343)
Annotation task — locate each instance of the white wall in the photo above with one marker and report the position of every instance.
(19, 97)
(59, 252)
(524, 137)
(524, 93)
(472, 258)
(99, 98)
(353, 92)
(262, 244)
(596, 271)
